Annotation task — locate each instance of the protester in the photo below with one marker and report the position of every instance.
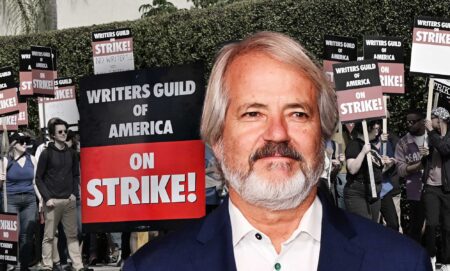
(408, 153)
(21, 194)
(268, 109)
(57, 177)
(389, 183)
(59, 244)
(332, 165)
(3, 161)
(357, 192)
(342, 140)
(436, 194)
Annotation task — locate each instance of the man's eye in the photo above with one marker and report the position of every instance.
(251, 114)
(300, 115)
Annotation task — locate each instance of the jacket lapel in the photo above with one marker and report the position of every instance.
(337, 252)
(216, 247)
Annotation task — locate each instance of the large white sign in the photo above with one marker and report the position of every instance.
(63, 105)
(430, 52)
(112, 51)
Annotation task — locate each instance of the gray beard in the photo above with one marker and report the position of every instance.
(275, 195)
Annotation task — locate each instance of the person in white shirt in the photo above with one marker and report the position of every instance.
(268, 111)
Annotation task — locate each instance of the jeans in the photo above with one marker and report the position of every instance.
(389, 212)
(25, 206)
(355, 197)
(341, 180)
(437, 205)
(416, 220)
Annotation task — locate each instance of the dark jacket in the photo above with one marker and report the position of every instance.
(441, 145)
(349, 242)
(58, 173)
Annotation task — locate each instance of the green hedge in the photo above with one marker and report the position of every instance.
(188, 36)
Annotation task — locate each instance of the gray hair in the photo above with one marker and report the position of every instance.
(282, 48)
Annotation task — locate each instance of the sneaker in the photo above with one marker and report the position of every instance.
(10, 267)
(57, 267)
(445, 267)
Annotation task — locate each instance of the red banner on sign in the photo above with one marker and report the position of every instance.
(8, 101)
(22, 118)
(144, 181)
(359, 104)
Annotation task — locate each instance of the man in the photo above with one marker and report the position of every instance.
(436, 194)
(57, 177)
(267, 112)
(409, 153)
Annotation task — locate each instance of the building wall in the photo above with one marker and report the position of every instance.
(75, 13)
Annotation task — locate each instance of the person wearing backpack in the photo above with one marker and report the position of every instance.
(57, 178)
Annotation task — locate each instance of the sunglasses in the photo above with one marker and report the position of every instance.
(62, 131)
(23, 141)
(412, 122)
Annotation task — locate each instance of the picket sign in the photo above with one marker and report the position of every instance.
(385, 98)
(373, 189)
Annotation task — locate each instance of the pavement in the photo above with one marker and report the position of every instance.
(97, 267)
(105, 267)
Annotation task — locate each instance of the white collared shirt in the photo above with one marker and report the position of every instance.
(253, 250)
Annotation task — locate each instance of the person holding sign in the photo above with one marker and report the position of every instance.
(267, 112)
(357, 194)
(21, 193)
(409, 152)
(436, 192)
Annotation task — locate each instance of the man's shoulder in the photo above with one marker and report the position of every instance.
(199, 245)
(168, 252)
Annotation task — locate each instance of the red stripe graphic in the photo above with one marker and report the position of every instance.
(146, 181)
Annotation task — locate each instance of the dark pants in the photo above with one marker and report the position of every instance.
(25, 206)
(416, 220)
(389, 212)
(356, 201)
(437, 206)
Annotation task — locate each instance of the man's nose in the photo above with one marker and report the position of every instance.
(276, 130)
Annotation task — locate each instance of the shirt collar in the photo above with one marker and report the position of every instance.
(310, 224)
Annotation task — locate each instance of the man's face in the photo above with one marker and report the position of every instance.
(272, 132)
(415, 123)
(60, 133)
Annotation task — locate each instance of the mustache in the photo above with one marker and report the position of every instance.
(282, 149)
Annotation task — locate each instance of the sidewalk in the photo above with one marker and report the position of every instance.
(97, 267)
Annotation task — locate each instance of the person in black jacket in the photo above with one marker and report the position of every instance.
(57, 178)
(436, 193)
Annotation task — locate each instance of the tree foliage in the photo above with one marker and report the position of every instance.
(26, 16)
(157, 7)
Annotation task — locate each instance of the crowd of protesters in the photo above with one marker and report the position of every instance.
(411, 176)
(40, 182)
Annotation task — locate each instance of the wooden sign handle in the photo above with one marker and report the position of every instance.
(373, 188)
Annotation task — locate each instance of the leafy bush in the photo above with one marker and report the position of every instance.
(188, 36)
